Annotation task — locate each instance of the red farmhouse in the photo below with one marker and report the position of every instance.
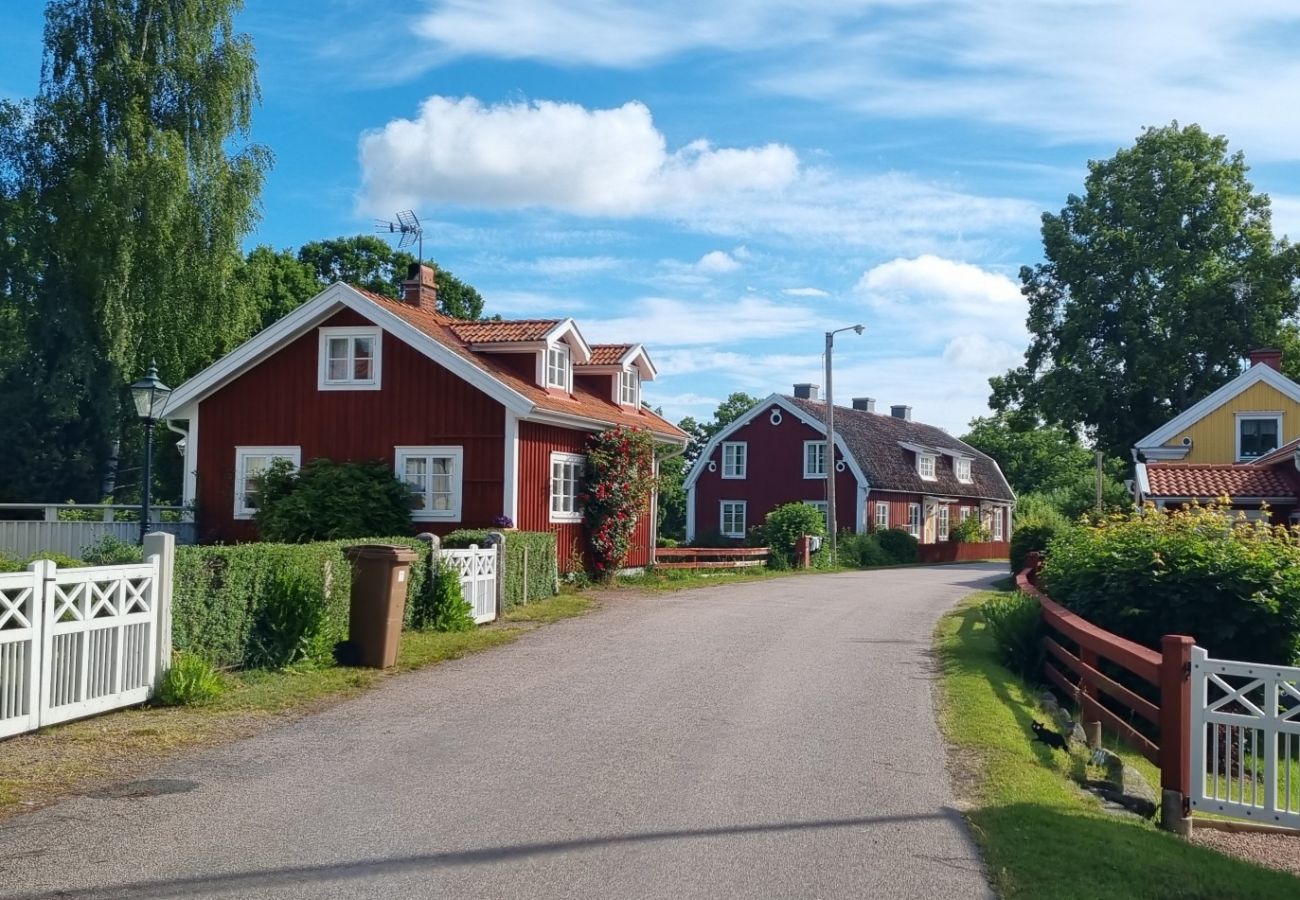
(481, 419)
(890, 472)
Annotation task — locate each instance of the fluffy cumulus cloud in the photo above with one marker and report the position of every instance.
(805, 292)
(671, 322)
(718, 262)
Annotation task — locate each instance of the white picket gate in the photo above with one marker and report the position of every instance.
(75, 642)
(478, 578)
(1245, 740)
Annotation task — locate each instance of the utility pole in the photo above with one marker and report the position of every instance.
(830, 436)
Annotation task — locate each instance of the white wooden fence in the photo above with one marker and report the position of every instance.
(478, 578)
(75, 642)
(24, 538)
(1245, 726)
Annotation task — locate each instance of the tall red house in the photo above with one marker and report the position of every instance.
(480, 419)
(890, 471)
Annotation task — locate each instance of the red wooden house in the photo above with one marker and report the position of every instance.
(481, 419)
(890, 471)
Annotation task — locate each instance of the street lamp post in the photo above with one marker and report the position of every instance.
(150, 396)
(830, 436)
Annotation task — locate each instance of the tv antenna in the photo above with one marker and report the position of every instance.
(408, 226)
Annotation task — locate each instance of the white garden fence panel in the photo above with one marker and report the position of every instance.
(19, 652)
(24, 539)
(1245, 726)
(478, 578)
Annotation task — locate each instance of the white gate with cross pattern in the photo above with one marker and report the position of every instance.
(477, 567)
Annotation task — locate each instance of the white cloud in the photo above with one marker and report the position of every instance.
(981, 353)
(718, 262)
(669, 322)
(805, 292)
(946, 293)
(1286, 216)
(573, 266)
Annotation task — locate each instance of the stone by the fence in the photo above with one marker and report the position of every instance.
(1123, 784)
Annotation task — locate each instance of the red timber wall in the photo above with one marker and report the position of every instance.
(536, 444)
(899, 502)
(774, 475)
(276, 403)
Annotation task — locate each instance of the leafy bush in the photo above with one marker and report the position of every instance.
(448, 608)
(666, 542)
(715, 538)
(1016, 623)
(112, 551)
(191, 681)
(863, 551)
(531, 564)
(618, 483)
(969, 531)
(1232, 585)
(1034, 533)
(326, 501)
(785, 524)
(295, 625)
(9, 564)
(900, 546)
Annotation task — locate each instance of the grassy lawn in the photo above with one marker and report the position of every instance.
(1040, 834)
(42, 766)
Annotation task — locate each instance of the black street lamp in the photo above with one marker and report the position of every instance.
(150, 396)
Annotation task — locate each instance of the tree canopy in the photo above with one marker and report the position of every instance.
(1155, 283)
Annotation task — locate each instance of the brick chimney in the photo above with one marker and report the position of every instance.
(806, 391)
(901, 412)
(420, 289)
(866, 404)
(1270, 358)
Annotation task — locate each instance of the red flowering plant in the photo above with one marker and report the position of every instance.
(616, 491)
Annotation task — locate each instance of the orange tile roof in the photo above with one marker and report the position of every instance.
(1285, 452)
(507, 331)
(582, 403)
(1203, 481)
(607, 354)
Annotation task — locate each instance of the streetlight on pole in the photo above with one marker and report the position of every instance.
(150, 396)
(830, 434)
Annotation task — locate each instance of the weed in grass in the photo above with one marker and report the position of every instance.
(191, 681)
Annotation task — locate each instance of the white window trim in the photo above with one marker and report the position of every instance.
(882, 514)
(934, 466)
(807, 473)
(375, 333)
(564, 348)
(997, 523)
(914, 528)
(1244, 416)
(743, 470)
(964, 513)
(453, 512)
(744, 517)
(823, 507)
(958, 465)
(943, 523)
(636, 387)
(569, 459)
(293, 454)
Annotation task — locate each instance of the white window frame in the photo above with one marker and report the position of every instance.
(818, 450)
(457, 455)
(964, 513)
(921, 460)
(737, 466)
(882, 514)
(743, 506)
(242, 455)
(351, 333)
(943, 523)
(961, 465)
(629, 387)
(563, 360)
(824, 507)
(997, 523)
(1253, 417)
(915, 522)
(573, 513)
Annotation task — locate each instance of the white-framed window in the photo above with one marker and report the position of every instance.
(735, 459)
(250, 462)
(1258, 434)
(350, 359)
(942, 523)
(963, 513)
(925, 465)
(962, 465)
(434, 476)
(557, 367)
(629, 387)
(997, 524)
(882, 514)
(731, 518)
(814, 459)
(914, 520)
(566, 480)
(823, 507)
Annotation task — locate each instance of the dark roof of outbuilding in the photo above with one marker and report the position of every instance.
(873, 439)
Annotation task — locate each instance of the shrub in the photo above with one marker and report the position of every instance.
(112, 551)
(1233, 586)
(326, 501)
(1016, 623)
(448, 610)
(295, 625)
(900, 546)
(863, 551)
(191, 681)
(969, 531)
(715, 538)
(666, 542)
(531, 564)
(618, 483)
(9, 564)
(1034, 533)
(784, 525)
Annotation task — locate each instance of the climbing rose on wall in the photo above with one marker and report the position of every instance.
(616, 492)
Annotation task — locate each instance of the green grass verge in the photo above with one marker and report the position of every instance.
(1042, 837)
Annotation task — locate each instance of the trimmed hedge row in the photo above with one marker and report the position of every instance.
(542, 562)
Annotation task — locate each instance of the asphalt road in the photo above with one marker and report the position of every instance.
(773, 739)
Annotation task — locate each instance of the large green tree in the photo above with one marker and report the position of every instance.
(126, 187)
(1033, 458)
(1155, 283)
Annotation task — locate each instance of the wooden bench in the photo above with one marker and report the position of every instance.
(710, 557)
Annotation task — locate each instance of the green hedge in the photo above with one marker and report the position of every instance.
(541, 555)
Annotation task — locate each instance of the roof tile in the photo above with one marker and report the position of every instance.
(508, 331)
(607, 354)
(1208, 482)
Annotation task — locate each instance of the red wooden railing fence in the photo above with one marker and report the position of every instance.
(951, 551)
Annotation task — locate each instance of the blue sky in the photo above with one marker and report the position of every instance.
(726, 181)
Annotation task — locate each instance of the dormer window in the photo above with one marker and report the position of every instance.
(962, 467)
(1258, 434)
(629, 388)
(925, 465)
(558, 370)
(349, 359)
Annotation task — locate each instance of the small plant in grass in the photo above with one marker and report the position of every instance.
(1016, 623)
(191, 681)
(449, 610)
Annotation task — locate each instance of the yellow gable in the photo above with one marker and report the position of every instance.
(1214, 436)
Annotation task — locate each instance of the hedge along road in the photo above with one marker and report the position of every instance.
(768, 739)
